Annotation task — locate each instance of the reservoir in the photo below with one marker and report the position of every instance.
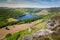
(27, 16)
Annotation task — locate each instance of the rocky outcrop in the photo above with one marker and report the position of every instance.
(53, 30)
(39, 35)
(43, 32)
(54, 24)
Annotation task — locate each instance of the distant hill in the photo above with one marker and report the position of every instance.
(6, 13)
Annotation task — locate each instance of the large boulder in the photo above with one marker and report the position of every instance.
(27, 37)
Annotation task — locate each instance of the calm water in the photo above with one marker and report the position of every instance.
(27, 16)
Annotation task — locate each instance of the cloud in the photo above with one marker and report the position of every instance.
(30, 3)
(8, 1)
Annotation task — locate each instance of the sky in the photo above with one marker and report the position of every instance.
(30, 3)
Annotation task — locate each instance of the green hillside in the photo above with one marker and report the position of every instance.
(7, 13)
(41, 25)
